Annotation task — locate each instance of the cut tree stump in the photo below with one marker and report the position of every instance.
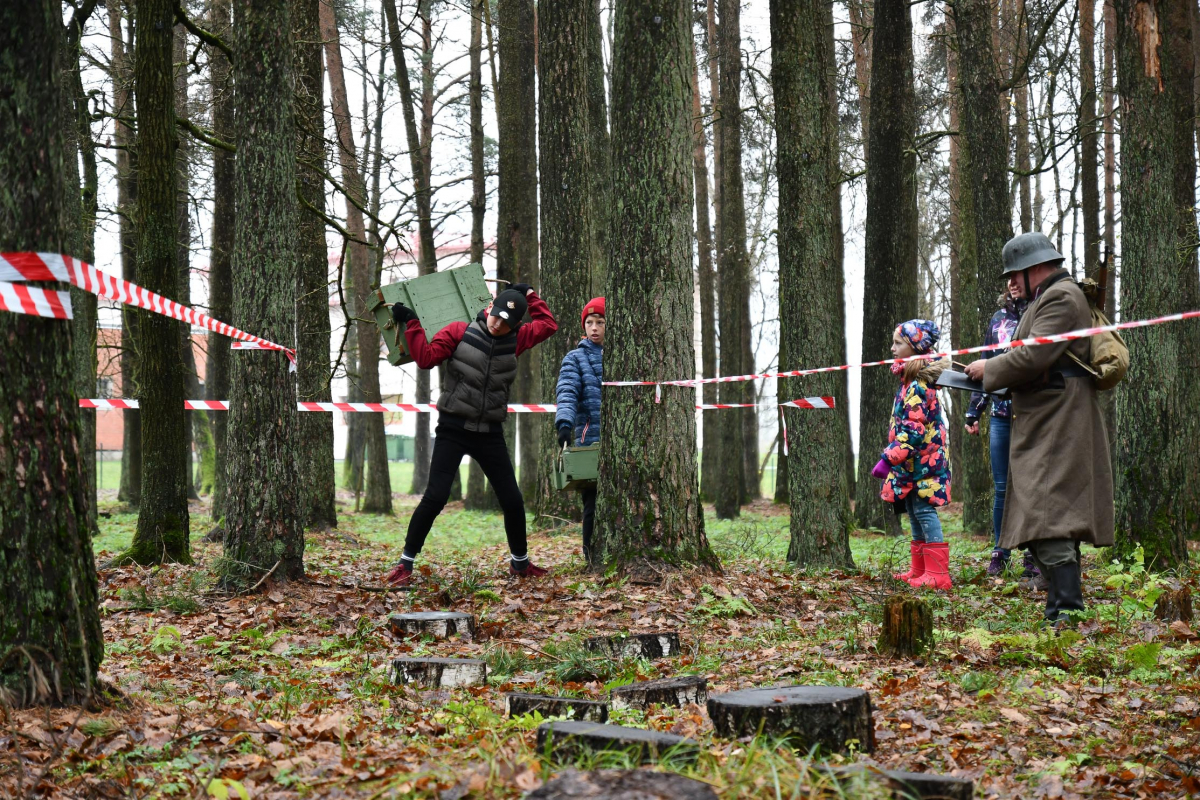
(909, 785)
(443, 673)
(438, 624)
(517, 703)
(830, 717)
(676, 692)
(1173, 606)
(622, 784)
(569, 739)
(662, 644)
(907, 626)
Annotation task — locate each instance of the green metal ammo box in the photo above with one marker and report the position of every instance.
(454, 295)
(577, 468)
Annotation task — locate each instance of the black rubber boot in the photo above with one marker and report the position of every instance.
(1067, 579)
(1051, 595)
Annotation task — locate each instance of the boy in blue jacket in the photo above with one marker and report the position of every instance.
(578, 395)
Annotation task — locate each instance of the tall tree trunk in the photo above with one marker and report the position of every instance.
(710, 470)
(962, 239)
(891, 239)
(649, 497)
(49, 606)
(573, 214)
(163, 528)
(317, 481)
(732, 269)
(378, 496)
(83, 303)
(1021, 100)
(264, 528)
(220, 274)
(130, 490)
(985, 157)
(517, 213)
(810, 275)
(427, 255)
(1156, 495)
(183, 256)
(710, 453)
(1089, 137)
(862, 24)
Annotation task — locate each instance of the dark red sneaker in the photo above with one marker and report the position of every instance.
(531, 571)
(401, 575)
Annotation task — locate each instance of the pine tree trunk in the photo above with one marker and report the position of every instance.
(163, 530)
(861, 13)
(732, 270)
(1021, 101)
(183, 255)
(378, 496)
(263, 528)
(1156, 499)
(317, 481)
(649, 498)
(49, 617)
(962, 241)
(984, 156)
(220, 274)
(130, 490)
(710, 472)
(810, 280)
(706, 282)
(891, 239)
(1089, 138)
(573, 218)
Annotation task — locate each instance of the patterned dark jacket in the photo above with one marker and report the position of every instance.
(1000, 330)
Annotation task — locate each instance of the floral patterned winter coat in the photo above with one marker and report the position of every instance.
(917, 444)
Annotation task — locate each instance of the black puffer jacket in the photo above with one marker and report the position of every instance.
(479, 376)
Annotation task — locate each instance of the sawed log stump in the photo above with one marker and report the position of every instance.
(909, 785)
(1173, 606)
(517, 703)
(438, 624)
(662, 644)
(829, 717)
(676, 692)
(907, 626)
(568, 739)
(622, 784)
(442, 673)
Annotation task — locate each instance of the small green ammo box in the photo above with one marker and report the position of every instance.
(454, 295)
(577, 468)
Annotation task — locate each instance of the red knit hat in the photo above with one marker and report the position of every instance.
(593, 306)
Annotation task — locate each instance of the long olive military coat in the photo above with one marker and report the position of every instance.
(1060, 482)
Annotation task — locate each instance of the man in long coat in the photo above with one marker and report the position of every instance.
(1060, 488)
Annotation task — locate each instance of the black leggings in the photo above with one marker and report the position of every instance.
(589, 521)
(490, 451)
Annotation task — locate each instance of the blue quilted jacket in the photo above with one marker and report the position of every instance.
(578, 392)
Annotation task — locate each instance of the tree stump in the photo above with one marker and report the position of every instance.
(830, 717)
(517, 703)
(569, 739)
(908, 785)
(443, 673)
(1173, 606)
(438, 624)
(663, 644)
(907, 626)
(622, 784)
(676, 692)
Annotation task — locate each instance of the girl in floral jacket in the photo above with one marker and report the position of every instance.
(915, 467)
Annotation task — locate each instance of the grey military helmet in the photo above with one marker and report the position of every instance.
(1027, 250)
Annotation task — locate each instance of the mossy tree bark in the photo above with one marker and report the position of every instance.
(517, 209)
(810, 280)
(1156, 497)
(263, 527)
(220, 275)
(162, 533)
(733, 270)
(891, 237)
(378, 496)
(130, 490)
(983, 164)
(649, 497)
(574, 217)
(49, 617)
(317, 482)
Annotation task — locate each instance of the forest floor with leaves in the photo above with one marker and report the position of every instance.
(286, 693)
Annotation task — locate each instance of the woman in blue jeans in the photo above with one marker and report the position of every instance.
(1000, 330)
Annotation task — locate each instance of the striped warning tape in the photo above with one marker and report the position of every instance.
(424, 408)
(22, 299)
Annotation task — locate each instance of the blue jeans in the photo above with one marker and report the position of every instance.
(1000, 432)
(926, 527)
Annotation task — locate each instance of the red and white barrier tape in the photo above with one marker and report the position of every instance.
(1081, 333)
(21, 299)
(423, 408)
(54, 267)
